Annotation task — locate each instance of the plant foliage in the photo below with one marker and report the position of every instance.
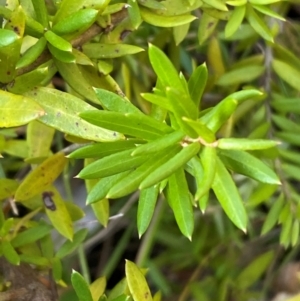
(193, 102)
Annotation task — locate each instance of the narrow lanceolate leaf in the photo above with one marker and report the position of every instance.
(113, 102)
(165, 21)
(146, 206)
(137, 125)
(169, 167)
(100, 150)
(248, 165)
(81, 287)
(273, 215)
(58, 42)
(235, 20)
(137, 283)
(159, 144)
(101, 211)
(208, 158)
(70, 246)
(229, 197)
(41, 177)
(288, 73)
(241, 96)
(180, 202)
(217, 116)
(164, 69)
(111, 165)
(100, 190)
(158, 100)
(258, 24)
(76, 21)
(197, 83)
(57, 212)
(10, 253)
(31, 235)
(62, 113)
(182, 105)
(254, 270)
(17, 110)
(132, 181)
(97, 288)
(109, 51)
(245, 144)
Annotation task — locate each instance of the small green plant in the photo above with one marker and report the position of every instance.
(193, 104)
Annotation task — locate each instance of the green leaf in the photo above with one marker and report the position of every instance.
(164, 69)
(262, 192)
(58, 42)
(248, 165)
(81, 287)
(32, 53)
(17, 110)
(180, 32)
(235, 20)
(76, 21)
(268, 12)
(245, 144)
(72, 74)
(70, 246)
(273, 215)
(219, 114)
(137, 283)
(132, 181)
(101, 211)
(29, 80)
(197, 83)
(165, 21)
(146, 206)
(62, 113)
(63, 56)
(100, 150)
(254, 270)
(159, 144)
(180, 202)
(31, 235)
(10, 253)
(113, 102)
(68, 7)
(101, 189)
(295, 233)
(182, 105)
(41, 12)
(7, 188)
(158, 100)
(169, 167)
(216, 4)
(111, 165)
(241, 96)
(258, 24)
(243, 74)
(137, 125)
(208, 159)
(58, 213)
(109, 51)
(41, 177)
(229, 197)
(288, 73)
(285, 234)
(134, 13)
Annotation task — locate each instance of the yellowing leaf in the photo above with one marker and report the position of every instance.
(57, 212)
(16, 110)
(137, 284)
(41, 177)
